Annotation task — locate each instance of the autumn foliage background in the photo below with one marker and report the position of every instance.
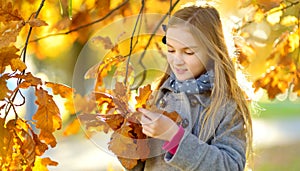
(41, 40)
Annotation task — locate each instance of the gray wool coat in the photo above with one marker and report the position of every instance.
(224, 149)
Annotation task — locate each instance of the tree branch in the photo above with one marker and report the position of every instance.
(83, 26)
(267, 14)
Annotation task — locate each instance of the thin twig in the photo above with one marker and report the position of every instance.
(148, 44)
(30, 30)
(83, 26)
(14, 95)
(138, 20)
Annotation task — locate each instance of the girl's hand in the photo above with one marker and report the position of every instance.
(157, 125)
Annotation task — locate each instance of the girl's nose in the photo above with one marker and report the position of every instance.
(178, 59)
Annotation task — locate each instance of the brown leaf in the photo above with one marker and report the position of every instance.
(114, 121)
(47, 161)
(28, 80)
(92, 121)
(60, 89)
(8, 13)
(106, 66)
(6, 55)
(128, 163)
(120, 90)
(3, 86)
(144, 94)
(35, 22)
(73, 128)
(42, 163)
(103, 40)
(40, 147)
(281, 50)
(121, 140)
(246, 52)
(17, 64)
(142, 149)
(24, 139)
(121, 96)
(47, 117)
(79, 104)
(9, 32)
(268, 4)
(63, 24)
(276, 81)
(102, 6)
(80, 18)
(6, 143)
(104, 98)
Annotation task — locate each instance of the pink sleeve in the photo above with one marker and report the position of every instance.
(171, 146)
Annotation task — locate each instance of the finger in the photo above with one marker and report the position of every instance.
(147, 132)
(151, 115)
(145, 120)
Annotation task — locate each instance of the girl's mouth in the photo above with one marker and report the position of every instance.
(180, 71)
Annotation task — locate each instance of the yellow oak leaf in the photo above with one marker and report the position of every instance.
(17, 64)
(144, 94)
(63, 90)
(28, 80)
(47, 117)
(72, 128)
(6, 55)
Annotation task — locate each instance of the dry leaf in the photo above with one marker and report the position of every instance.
(6, 55)
(28, 80)
(3, 86)
(17, 64)
(49, 110)
(144, 94)
(114, 121)
(73, 128)
(103, 40)
(35, 22)
(60, 89)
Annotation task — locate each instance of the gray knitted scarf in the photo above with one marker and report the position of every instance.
(199, 85)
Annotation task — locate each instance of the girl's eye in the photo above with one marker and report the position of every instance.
(171, 50)
(189, 52)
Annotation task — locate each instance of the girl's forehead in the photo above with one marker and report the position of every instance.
(181, 36)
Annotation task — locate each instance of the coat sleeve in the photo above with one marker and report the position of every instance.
(225, 152)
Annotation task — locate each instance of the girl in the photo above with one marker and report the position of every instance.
(215, 132)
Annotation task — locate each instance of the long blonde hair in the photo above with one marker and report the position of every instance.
(205, 24)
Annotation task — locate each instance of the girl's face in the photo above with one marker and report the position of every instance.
(186, 56)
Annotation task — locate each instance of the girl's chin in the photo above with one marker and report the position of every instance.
(181, 77)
